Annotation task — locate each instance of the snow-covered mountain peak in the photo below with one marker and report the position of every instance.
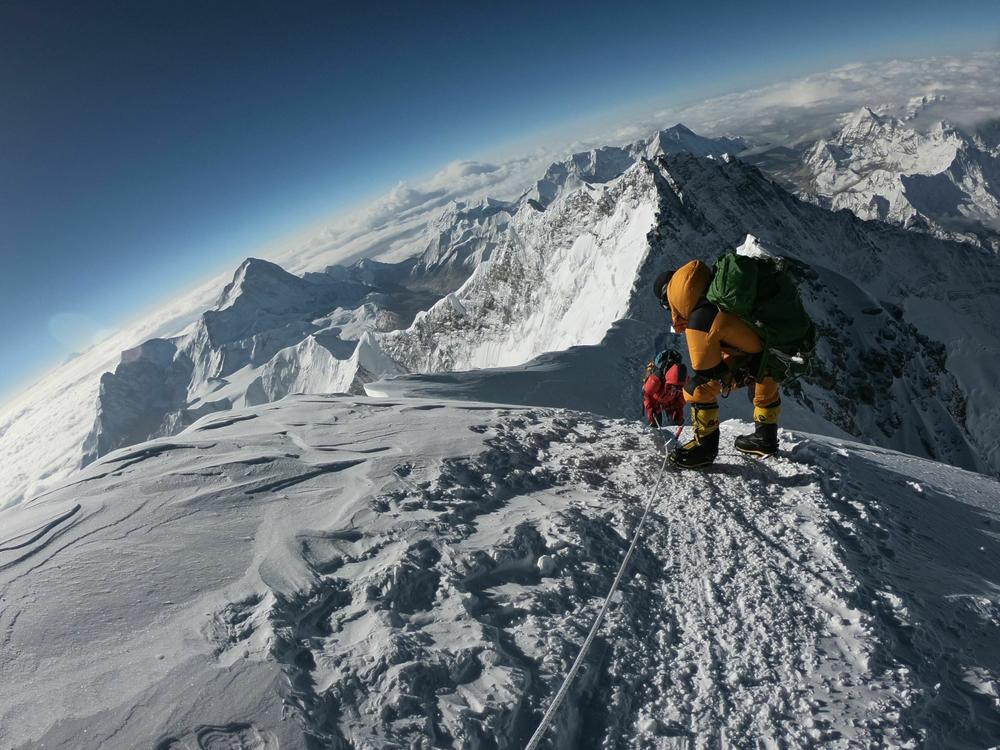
(863, 121)
(937, 178)
(463, 235)
(558, 281)
(595, 166)
(500, 283)
(680, 138)
(474, 211)
(560, 277)
(601, 165)
(869, 142)
(543, 281)
(267, 282)
(157, 351)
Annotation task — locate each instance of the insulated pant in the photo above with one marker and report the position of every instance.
(714, 338)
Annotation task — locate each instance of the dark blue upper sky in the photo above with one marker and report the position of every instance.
(146, 144)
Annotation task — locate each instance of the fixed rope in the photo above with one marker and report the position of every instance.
(571, 675)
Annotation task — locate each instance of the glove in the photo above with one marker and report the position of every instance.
(655, 420)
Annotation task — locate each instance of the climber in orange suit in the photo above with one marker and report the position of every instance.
(722, 349)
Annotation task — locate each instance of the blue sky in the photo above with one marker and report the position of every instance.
(146, 145)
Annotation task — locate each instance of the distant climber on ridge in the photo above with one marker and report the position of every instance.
(712, 308)
(663, 389)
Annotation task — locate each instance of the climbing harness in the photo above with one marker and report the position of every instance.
(571, 675)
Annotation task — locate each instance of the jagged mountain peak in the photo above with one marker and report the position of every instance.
(261, 278)
(597, 165)
(867, 114)
(473, 210)
(864, 125)
(607, 163)
(935, 178)
(679, 129)
(681, 138)
(297, 333)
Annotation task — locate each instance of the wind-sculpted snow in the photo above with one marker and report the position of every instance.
(343, 572)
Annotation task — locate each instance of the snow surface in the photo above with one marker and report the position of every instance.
(440, 232)
(43, 428)
(883, 372)
(545, 280)
(347, 572)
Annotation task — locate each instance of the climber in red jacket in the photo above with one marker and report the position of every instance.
(663, 390)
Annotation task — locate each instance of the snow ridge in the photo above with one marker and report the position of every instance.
(846, 267)
(888, 371)
(561, 278)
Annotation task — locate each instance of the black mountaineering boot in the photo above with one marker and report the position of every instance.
(702, 450)
(764, 440)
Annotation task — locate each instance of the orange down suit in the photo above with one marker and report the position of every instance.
(713, 337)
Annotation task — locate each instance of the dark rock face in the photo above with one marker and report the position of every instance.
(150, 380)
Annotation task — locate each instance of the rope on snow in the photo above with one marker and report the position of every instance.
(571, 675)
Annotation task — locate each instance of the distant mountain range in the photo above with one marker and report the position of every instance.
(943, 180)
(908, 347)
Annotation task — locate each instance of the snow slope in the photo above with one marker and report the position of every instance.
(346, 572)
(43, 428)
(160, 373)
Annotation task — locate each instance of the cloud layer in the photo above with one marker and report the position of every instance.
(965, 91)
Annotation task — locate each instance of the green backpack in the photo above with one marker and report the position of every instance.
(765, 296)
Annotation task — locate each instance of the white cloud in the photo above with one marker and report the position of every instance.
(801, 94)
(796, 107)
